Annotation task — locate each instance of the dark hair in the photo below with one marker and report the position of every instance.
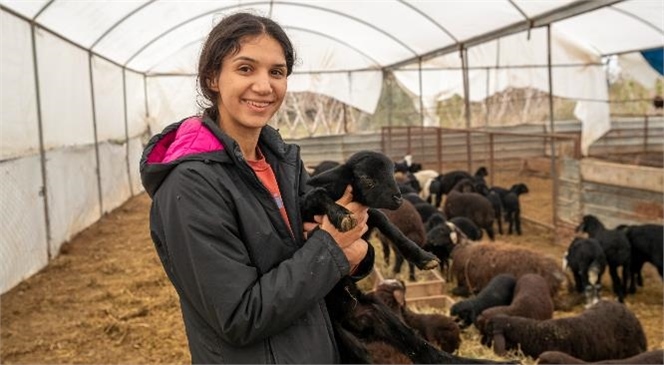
(225, 39)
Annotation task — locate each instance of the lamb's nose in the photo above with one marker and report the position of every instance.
(397, 198)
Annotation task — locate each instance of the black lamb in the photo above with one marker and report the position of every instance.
(498, 292)
(646, 244)
(607, 330)
(355, 316)
(616, 249)
(585, 257)
(512, 207)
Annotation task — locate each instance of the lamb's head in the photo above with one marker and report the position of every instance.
(519, 188)
(392, 292)
(371, 174)
(482, 171)
(463, 313)
(442, 238)
(590, 224)
(373, 180)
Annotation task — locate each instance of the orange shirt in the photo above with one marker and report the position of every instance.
(265, 174)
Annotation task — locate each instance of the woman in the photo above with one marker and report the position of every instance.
(225, 219)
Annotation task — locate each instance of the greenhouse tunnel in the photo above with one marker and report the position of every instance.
(86, 83)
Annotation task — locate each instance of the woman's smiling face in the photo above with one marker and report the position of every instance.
(251, 84)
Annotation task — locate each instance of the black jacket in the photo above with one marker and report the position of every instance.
(250, 292)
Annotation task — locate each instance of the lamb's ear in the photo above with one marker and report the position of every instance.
(333, 180)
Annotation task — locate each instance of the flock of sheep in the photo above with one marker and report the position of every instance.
(511, 291)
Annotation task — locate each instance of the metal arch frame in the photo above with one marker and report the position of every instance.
(46, 6)
(188, 44)
(120, 21)
(637, 18)
(552, 16)
(427, 17)
(158, 37)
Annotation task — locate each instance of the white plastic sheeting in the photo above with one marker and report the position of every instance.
(19, 135)
(72, 190)
(110, 73)
(635, 67)
(23, 249)
(520, 60)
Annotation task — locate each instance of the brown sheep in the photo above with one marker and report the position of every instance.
(475, 264)
(607, 330)
(531, 300)
(438, 329)
(462, 201)
(557, 357)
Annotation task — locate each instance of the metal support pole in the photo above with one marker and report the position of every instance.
(466, 96)
(419, 71)
(94, 128)
(145, 96)
(126, 128)
(345, 120)
(554, 177)
(486, 99)
(390, 102)
(42, 149)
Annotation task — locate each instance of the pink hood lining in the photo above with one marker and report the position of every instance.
(191, 137)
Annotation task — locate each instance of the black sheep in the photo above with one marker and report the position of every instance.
(586, 259)
(498, 292)
(426, 210)
(512, 207)
(607, 330)
(646, 244)
(616, 249)
(468, 227)
(441, 240)
(353, 315)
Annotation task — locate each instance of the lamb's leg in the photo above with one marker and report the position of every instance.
(615, 281)
(517, 221)
(510, 222)
(499, 220)
(318, 202)
(409, 249)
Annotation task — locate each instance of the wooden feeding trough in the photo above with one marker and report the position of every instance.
(424, 293)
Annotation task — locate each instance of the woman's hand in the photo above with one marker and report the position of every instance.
(351, 242)
(361, 215)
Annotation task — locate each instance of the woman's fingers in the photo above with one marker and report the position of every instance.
(347, 197)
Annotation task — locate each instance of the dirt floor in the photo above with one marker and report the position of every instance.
(106, 300)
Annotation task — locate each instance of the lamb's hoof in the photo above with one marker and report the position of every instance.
(431, 264)
(426, 261)
(347, 223)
